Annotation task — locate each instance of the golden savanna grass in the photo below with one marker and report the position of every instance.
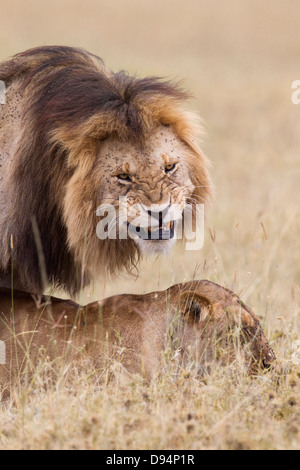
(239, 59)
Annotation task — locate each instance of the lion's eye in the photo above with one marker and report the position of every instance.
(124, 177)
(170, 167)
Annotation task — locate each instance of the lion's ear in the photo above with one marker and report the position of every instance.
(194, 307)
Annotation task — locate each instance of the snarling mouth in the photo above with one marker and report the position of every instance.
(161, 232)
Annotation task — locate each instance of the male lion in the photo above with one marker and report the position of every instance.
(199, 322)
(74, 136)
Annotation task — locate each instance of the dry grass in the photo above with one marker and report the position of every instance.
(239, 60)
(168, 414)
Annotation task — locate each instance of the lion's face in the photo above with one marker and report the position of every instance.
(155, 184)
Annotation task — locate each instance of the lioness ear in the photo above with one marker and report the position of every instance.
(194, 307)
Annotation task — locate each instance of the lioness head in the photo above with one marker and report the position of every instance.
(79, 140)
(232, 330)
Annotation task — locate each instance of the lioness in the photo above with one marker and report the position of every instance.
(201, 320)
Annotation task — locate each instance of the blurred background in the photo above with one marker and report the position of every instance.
(238, 59)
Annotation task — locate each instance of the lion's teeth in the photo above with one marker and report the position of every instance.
(168, 226)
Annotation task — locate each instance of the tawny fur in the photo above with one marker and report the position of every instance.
(67, 127)
(200, 321)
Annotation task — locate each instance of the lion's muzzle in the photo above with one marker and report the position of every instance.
(161, 232)
(155, 223)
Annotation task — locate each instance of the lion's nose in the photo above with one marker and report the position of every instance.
(268, 359)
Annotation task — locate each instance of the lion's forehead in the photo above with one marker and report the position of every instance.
(162, 147)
